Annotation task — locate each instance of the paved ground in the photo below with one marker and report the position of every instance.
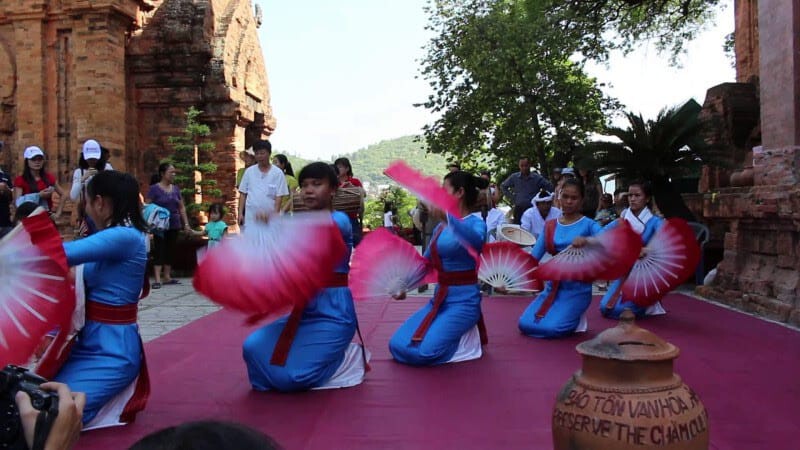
(171, 307)
(174, 306)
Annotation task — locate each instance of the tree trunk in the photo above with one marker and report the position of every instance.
(669, 200)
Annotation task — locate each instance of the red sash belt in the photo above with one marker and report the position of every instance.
(111, 314)
(284, 343)
(445, 279)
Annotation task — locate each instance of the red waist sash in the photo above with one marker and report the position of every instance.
(446, 279)
(281, 350)
(111, 314)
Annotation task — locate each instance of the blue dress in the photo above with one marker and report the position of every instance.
(650, 228)
(572, 298)
(461, 308)
(106, 358)
(326, 329)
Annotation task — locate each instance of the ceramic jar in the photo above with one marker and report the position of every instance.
(626, 396)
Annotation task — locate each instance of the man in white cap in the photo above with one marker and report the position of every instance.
(541, 211)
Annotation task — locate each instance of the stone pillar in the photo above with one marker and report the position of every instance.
(779, 44)
(746, 39)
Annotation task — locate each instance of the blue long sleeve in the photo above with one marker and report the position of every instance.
(111, 244)
(472, 233)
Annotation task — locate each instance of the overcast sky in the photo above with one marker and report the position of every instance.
(342, 74)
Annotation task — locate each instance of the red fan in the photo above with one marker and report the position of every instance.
(36, 295)
(608, 256)
(385, 265)
(274, 266)
(428, 189)
(670, 257)
(504, 265)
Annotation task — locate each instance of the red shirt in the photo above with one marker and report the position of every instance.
(352, 182)
(41, 184)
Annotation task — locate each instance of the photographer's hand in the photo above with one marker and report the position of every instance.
(67, 426)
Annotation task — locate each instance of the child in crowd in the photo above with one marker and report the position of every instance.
(216, 228)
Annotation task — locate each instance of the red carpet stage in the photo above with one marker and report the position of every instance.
(746, 371)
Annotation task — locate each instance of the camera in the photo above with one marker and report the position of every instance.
(12, 380)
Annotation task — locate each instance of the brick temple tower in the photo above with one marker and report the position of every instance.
(124, 72)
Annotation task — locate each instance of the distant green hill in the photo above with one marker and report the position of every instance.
(369, 163)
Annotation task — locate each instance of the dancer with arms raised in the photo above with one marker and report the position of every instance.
(433, 334)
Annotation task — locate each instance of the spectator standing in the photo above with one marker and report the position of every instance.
(5, 199)
(282, 162)
(606, 213)
(92, 160)
(36, 184)
(593, 188)
(520, 187)
(344, 170)
(263, 186)
(166, 194)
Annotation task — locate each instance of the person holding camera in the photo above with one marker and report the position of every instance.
(36, 184)
(92, 161)
(65, 428)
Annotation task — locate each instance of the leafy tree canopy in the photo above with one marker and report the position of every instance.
(599, 26)
(661, 150)
(506, 84)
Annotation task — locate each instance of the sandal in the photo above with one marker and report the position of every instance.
(155, 286)
(173, 281)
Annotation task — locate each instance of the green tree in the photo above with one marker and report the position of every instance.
(661, 151)
(192, 160)
(604, 25)
(505, 84)
(396, 197)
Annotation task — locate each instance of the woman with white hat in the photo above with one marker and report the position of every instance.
(92, 160)
(36, 185)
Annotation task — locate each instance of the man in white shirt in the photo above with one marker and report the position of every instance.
(263, 186)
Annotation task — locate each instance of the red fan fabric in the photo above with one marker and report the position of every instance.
(384, 265)
(669, 259)
(504, 265)
(37, 295)
(272, 267)
(607, 256)
(427, 189)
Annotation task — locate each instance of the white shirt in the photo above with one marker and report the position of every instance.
(262, 188)
(494, 218)
(532, 220)
(387, 219)
(75, 190)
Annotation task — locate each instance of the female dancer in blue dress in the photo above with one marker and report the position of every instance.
(432, 334)
(557, 311)
(323, 329)
(644, 222)
(107, 355)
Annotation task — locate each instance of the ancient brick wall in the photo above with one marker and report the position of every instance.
(760, 270)
(203, 54)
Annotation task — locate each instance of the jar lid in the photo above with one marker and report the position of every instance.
(628, 342)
